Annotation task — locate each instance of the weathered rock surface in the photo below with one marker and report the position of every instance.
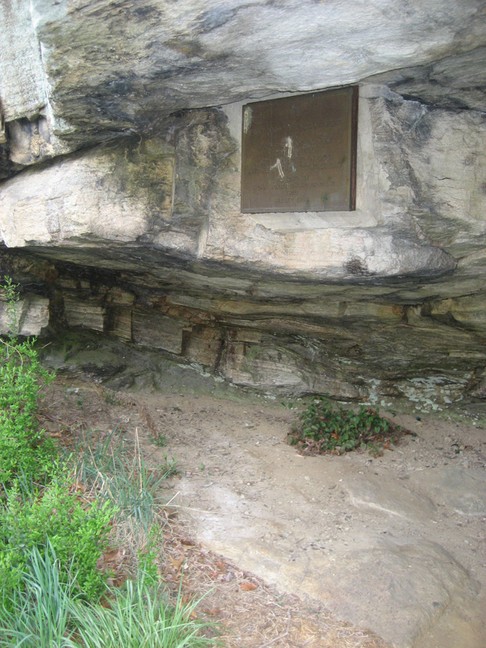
(452, 82)
(29, 316)
(372, 539)
(413, 578)
(105, 195)
(76, 73)
(126, 212)
(462, 490)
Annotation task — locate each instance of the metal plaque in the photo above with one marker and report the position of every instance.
(299, 153)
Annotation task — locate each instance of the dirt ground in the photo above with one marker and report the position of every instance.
(229, 494)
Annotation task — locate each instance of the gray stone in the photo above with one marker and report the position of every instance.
(153, 330)
(368, 494)
(412, 580)
(20, 59)
(462, 490)
(109, 194)
(82, 74)
(28, 316)
(452, 82)
(85, 313)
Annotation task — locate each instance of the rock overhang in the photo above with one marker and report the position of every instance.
(133, 181)
(90, 72)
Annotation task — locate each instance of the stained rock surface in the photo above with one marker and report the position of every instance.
(81, 72)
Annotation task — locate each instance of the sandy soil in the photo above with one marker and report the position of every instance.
(257, 525)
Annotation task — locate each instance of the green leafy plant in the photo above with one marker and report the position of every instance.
(40, 505)
(25, 449)
(77, 529)
(325, 427)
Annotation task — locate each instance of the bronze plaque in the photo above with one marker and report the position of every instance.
(299, 153)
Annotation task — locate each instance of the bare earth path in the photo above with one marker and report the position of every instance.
(349, 551)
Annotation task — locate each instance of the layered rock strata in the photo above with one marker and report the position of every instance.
(120, 199)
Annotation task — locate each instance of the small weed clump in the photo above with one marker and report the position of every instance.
(325, 427)
(122, 478)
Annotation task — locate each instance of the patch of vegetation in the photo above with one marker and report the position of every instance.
(140, 615)
(122, 477)
(59, 516)
(326, 427)
(38, 611)
(159, 440)
(55, 515)
(39, 504)
(47, 612)
(25, 450)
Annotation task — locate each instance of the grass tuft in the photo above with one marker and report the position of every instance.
(47, 613)
(138, 616)
(105, 465)
(39, 610)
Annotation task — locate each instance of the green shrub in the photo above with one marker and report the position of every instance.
(24, 447)
(77, 531)
(39, 506)
(325, 427)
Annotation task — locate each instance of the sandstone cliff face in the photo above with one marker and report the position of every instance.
(121, 195)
